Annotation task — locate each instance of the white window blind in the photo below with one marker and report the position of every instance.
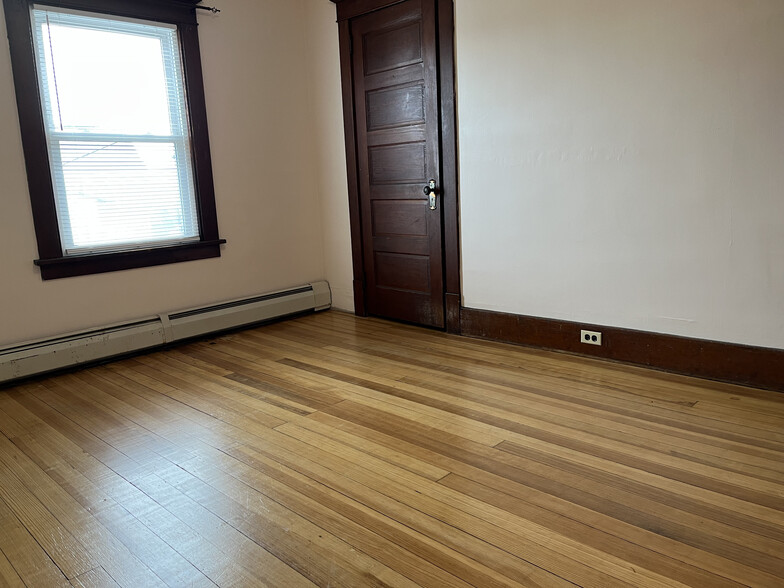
(117, 128)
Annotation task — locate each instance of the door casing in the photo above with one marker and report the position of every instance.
(346, 10)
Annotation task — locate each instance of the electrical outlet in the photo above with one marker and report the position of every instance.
(591, 337)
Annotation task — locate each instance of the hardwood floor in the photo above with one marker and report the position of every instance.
(335, 451)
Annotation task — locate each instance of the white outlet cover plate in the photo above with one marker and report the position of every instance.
(590, 337)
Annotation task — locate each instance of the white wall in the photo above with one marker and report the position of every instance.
(330, 149)
(260, 114)
(622, 163)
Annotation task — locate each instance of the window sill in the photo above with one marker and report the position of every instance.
(81, 265)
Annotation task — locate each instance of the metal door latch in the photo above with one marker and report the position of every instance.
(431, 192)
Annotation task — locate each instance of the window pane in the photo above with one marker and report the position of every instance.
(122, 193)
(105, 81)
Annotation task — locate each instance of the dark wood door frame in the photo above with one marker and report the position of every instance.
(347, 9)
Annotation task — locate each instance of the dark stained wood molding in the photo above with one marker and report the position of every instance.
(82, 265)
(445, 20)
(347, 86)
(204, 181)
(31, 123)
(452, 309)
(359, 298)
(760, 367)
(347, 9)
(172, 11)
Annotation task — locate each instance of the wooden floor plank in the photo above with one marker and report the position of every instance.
(698, 448)
(24, 554)
(651, 395)
(331, 450)
(361, 527)
(43, 511)
(496, 566)
(445, 502)
(348, 369)
(361, 545)
(473, 354)
(667, 508)
(95, 578)
(416, 569)
(141, 540)
(154, 455)
(635, 554)
(553, 497)
(9, 578)
(502, 418)
(209, 544)
(769, 505)
(281, 527)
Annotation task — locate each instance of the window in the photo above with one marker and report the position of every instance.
(114, 130)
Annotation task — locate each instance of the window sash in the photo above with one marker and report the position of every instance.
(65, 201)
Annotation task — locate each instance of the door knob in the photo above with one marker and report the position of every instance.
(431, 192)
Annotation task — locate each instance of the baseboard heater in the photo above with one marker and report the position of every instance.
(38, 357)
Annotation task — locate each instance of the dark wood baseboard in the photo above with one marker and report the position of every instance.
(359, 298)
(452, 309)
(760, 367)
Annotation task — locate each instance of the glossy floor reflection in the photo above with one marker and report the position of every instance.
(335, 451)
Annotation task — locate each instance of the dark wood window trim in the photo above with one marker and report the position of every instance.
(53, 263)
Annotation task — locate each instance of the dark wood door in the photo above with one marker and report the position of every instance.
(395, 76)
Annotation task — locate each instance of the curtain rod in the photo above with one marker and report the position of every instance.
(210, 8)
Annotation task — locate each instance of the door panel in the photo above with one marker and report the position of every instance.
(392, 47)
(410, 273)
(397, 132)
(402, 217)
(396, 106)
(398, 164)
